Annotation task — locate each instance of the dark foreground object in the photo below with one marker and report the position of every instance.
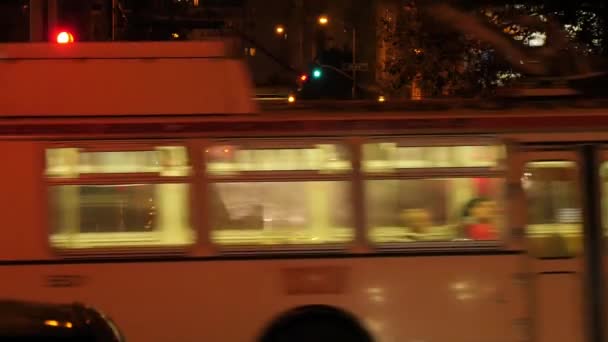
(30, 321)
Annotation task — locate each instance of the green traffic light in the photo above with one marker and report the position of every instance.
(317, 73)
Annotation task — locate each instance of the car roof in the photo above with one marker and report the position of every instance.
(46, 320)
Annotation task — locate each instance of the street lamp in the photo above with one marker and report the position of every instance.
(280, 31)
(323, 20)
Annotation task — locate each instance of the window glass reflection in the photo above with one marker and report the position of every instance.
(72, 162)
(604, 182)
(115, 215)
(390, 155)
(554, 222)
(228, 159)
(281, 213)
(434, 209)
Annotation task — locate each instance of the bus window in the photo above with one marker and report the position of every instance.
(392, 156)
(554, 223)
(73, 162)
(451, 192)
(604, 180)
(434, 209)
(281, 213)
(266, 193)
(227, 159)
(94, 201)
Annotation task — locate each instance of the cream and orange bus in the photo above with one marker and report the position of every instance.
(143, 180)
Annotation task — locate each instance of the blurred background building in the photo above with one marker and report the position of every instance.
(276, 59)
(401, 49)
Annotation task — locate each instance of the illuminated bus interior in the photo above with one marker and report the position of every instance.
(554, 212)
(275, 193)
(119, 198)
(442, 192)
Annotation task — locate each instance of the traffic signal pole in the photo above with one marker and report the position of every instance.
(39, 9)
(52, 14)
(36, 20)
(354, 89)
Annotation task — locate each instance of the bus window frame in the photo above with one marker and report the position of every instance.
(280, 176)
(277, 144)
(602, 158)
(119, 145)
(500, 171)
(558, 153)
(199, 181)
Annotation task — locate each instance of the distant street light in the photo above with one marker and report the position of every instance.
(323, 20)
(279, 29)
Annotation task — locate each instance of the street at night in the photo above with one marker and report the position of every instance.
(303, 170)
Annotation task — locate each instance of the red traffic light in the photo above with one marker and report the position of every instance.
(65, 37)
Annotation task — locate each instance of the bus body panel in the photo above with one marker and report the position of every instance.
(21, 201)
(406, 298)
(118, 87)
(475, 297)
(126, 78)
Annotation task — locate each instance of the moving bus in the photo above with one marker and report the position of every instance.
(142, 180)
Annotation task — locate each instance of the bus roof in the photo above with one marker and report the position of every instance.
(308, 122)
(126, 78)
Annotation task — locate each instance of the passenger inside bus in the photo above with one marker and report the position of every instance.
(432, 209)
(418, 224)
(479, 218)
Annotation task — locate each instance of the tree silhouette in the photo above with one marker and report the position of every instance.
(443, 59)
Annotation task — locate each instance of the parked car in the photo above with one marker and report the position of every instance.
(31, 321)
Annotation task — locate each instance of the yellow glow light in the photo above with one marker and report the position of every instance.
(381, 98)
(280, 29)
(54, 323)
(291, 99)
(51, 322)
(323, 20)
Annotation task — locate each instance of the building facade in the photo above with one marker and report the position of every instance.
(273, 58)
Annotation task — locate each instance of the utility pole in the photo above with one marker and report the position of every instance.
(39, 10)
(113, 11)
(354, 89)
(52, 17)
(301, 22)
